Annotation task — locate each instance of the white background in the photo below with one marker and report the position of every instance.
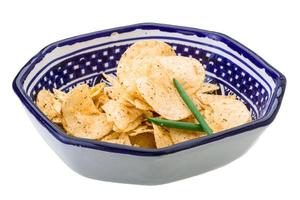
(29, 169)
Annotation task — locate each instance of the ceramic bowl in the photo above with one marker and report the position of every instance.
(228, 63)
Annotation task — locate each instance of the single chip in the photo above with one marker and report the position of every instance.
(230, 113)
(93, 126)
(141, 129)
(179, 135)
(188, 71)
(79, 100)
(49, 105)
(162, 137)
(122, 139)
(139, 68)
(60, 95)
(145, 140)
(208, 88)
(120, 114)
(207, 113)
(111, 136)
(137, 51)
(162, 95)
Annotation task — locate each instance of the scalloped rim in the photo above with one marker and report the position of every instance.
(116, 148)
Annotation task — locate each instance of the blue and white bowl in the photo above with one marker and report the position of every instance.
(80, 59)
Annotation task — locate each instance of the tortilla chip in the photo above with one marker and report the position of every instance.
(145, 140)
(188, 71)
(179, 135)
(162, 96)
(49, 105)
(120, 114)
(208, 88)
(162, 137)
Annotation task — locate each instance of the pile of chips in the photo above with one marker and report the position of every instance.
(117, 113)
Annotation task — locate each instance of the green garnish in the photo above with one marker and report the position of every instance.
(202, 126)
(192, 107)
(175, 124)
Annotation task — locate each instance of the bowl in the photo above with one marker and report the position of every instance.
(79, 59)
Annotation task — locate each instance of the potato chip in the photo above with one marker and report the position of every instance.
(162, 137)
(207, 113)
(208, 88)
(179, 135)
(188, 71)
(145, 140)
(94, 126)
(122, 139)
(120, 114)
(141, 129)
(147, 113)
(111, 136)
(162, 95)
(125, 139)
(139, 67)
(57, 120)
(117, 92)
(96, 90)
(230, 113)
(208, 98)
(139, 104)
(79, 100)
(101, 100)
(60, 95)
(140, 50)
(133, 125)
(49, 105)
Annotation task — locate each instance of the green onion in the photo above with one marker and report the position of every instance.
(192, 107)
(175, 124)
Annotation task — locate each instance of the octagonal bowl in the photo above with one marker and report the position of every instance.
(228, 63)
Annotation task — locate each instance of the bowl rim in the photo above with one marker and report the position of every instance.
(268, 118)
